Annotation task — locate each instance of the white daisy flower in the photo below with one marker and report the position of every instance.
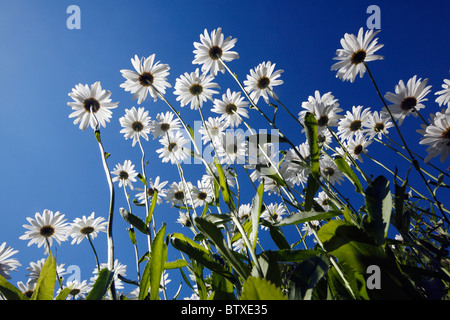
(353, 122)
(211, 49)
(437, 137)
(323, 200)
(28, 288)
(7, 264)
(176, 194)
(407, 99)
(232, 107)
(147, 78)
(194, 89)
(118, 268)
(329, 171)
(91, 106)
(157, 187)
(357, 145)
(136, 124)
(292, 167)
(214, 130)
(244, 212)
(184, 219)
(164, 124)
(125, 174)
(78, 289)
(377, 124)
(172, 149)
(36, 267)
(273, 213)
(202, 194)
(325, 109)
(233, 148)
(261, 81)
(87, 226)
(45, 228)
(444, 95)
(355, 50)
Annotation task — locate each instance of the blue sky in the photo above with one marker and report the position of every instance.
(48, 163)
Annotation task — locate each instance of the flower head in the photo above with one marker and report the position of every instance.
(329, 171)
(7, 263)
(136, 124)
(273, 213)
(357, 145)
(232, 107)
(377, 125)
(356, 50)
(164, 124)
(325, 109)
(148, 78)
(407, 99)
(233, 148)
(35, 270)
(84, 227)
(195, 89)
(125, 174)
(172, 149)
(261, 81)
(44, 228)
(155, 187)
(211, 48)
(437, 137)
(176, 194)
(353, 122)
(202, 194)
(213, 129)
(92, 106)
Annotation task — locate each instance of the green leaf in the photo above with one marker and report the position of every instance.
(379, 208)
(214, 233)
(180, 263)
(226, 194)
(302, 217)
(312, 186)
(45, 286)
(277, 235)
(142, 178)
(255, 213)
(217, 219)
(134, 221)
(311, 135)
(349, 173)
(63, 293)
(401, 218)
(200, 255)
(9, 291)
(260, 289)
(158, 258)
(145, 282)
(97, 136)
(290, 255)
(222, 289)
(148, 219)
(101, 285)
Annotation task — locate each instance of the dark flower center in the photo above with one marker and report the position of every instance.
(151, 192)
(91, 103)
(358, 149)
(196, 89)
(165, 127)
(47, 231)
(137, 126)
(123, 175)
(202, 196)
(215, 52)
(379, 127)
(172, 146)
(263, 83)
(446, 134)
(87, 230)
(74, 292)
(328, 171)
(355, 125)
(146, 79)
(408, 103)
(230, 108)
(179, 195)
(28, 293)
(323, 120)
(358, 57)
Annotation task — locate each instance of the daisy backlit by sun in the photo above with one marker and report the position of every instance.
(7, 264)
(155, 187)
(407, 99)
(195, 89)
(231, 108)
(45, 228)
(136, 124)
(87, 227)
(325, 109)
(353, 122)
(211, 48)
(356, 50)
(92, 106)
(148, 78)
(261, 80)
(444, 95)
(164, 124)
(172, 148)
(437, 137)
(125, 174)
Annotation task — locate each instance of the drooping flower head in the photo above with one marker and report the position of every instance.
(356, 50)
(261, 81)
(148, 78)
(92, 106)
(211, 48)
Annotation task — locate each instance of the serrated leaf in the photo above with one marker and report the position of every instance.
(101, 285)
(349, 173)
(45, 286)
(63, 293)
(302, 217)
(134, 220)
(175, 264)
(260, 289)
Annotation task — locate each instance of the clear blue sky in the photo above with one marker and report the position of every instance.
(47, 162)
